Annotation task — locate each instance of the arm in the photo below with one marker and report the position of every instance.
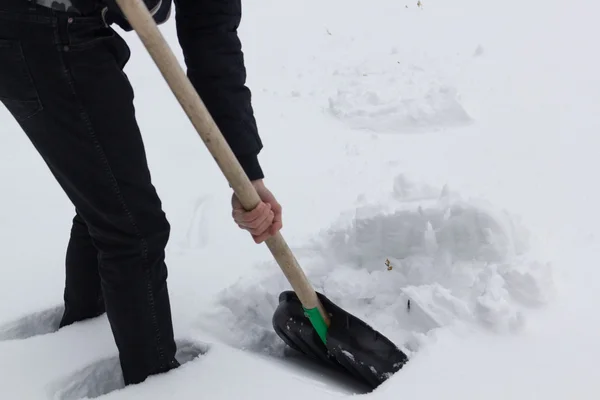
(207, 33)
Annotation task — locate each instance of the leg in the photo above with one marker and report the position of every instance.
(62, 79)
(83, 294)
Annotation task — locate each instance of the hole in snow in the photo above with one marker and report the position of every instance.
(105, 376)
(35, 324)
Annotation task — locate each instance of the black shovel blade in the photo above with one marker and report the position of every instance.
(352, 345)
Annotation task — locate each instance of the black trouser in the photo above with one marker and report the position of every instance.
(61, 77)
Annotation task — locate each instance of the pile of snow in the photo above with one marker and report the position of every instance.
(420, 261)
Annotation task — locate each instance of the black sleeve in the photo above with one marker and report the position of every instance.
(207, 33)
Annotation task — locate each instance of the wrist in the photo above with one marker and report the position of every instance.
(258, 182)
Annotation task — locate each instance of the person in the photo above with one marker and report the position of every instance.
(62, 80)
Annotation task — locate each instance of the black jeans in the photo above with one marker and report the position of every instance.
(62, 79)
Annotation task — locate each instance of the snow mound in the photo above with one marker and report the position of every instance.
(407, 267)
(396, 98)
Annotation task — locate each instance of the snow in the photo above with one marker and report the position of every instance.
(437, 169)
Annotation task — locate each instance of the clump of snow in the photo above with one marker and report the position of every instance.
(407, 267)
(408, 99)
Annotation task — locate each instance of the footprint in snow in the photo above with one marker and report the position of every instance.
(35, 324)
(105, 376)
(197, 235)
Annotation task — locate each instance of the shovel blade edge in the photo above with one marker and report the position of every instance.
(353, 346)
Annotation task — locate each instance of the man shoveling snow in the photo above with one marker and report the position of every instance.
(62, 79)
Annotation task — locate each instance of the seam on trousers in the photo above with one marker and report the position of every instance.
(119, 195)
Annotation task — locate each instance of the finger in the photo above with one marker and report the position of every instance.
(267, 218)
(275, 227)
(277, 209)
(277, 220)
(260, 226)
(248, 217)
(259, 229)
(242, 215)
(264, 227)
(270, 231)
(261, 238)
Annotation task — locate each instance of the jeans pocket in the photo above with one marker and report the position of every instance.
(17, 89)
(85, 37)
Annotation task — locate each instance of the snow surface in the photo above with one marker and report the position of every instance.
(437, 169)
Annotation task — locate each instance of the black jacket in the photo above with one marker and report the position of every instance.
(207, 33)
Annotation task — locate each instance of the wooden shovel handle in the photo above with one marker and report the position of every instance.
(142, 22)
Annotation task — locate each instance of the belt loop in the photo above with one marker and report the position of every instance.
(63, 31)
(32, 5)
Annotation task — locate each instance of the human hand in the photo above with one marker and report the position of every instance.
(264, 220)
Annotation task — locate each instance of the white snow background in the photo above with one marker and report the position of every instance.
(445, 153)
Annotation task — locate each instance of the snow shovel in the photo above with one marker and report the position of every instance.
(333, 337)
